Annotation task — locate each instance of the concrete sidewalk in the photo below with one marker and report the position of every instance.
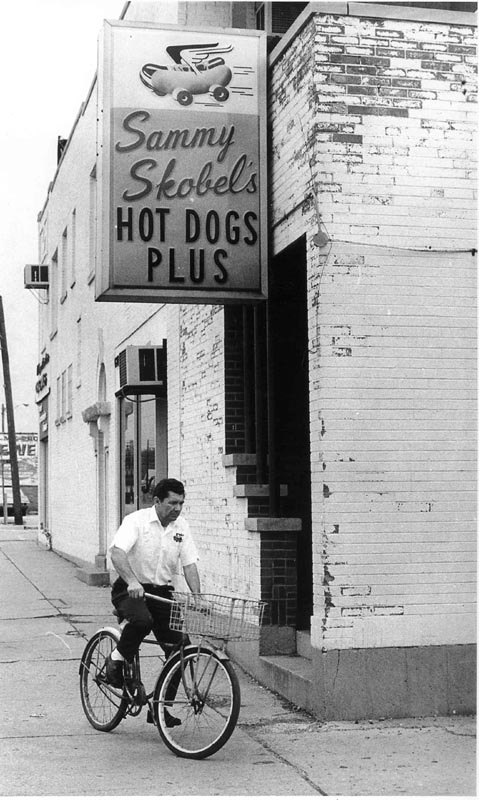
(46, 616)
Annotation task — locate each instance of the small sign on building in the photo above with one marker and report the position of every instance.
(182, 166)
(27, 457)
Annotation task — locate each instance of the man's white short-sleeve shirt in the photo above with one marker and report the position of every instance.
(155, 553)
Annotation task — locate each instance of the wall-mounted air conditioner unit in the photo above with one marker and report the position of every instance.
(36, 276)
(141, 370)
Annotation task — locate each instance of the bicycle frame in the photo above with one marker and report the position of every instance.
(137, 702)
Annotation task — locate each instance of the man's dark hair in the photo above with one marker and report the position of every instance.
(167, 485)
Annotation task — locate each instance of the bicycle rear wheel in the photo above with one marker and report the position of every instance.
(202, 692)
(103, 705)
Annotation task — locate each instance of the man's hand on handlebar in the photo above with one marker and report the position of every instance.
(135, 589)
(198, 603)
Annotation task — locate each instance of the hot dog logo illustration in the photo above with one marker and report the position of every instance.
(197, 69)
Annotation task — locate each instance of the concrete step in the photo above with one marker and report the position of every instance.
(303, 644)
(290, 676)
(93, 576)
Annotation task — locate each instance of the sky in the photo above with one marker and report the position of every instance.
(48, 60)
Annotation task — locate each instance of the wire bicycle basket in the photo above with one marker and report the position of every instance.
(217, 616)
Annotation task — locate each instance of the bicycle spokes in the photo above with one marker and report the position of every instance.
(202, 675)
(201, 692)
(104, 706)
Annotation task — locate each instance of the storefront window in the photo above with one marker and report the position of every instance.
(143, 449)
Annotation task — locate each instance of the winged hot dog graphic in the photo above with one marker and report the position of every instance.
(197, 69)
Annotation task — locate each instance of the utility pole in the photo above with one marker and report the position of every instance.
(12, 439)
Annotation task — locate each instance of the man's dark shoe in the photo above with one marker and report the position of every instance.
(114, 672)
(171, 721)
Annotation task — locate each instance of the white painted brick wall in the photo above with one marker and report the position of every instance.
(229, 555)
(392, 331)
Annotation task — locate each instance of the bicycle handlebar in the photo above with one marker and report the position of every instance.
(160, 599)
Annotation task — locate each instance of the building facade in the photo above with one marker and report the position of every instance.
(326, 438)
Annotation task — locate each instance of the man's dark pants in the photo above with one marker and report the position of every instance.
(144, 616)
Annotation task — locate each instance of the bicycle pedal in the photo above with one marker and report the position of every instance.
(136, 691)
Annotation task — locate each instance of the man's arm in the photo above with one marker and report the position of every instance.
(120, 561)
(192, 578)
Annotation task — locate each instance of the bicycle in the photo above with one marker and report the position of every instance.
(197, 682)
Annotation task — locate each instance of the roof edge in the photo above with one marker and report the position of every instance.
(371, 10)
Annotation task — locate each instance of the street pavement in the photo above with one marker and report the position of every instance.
(48, 747)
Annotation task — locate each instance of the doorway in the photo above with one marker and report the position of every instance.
(289, 331)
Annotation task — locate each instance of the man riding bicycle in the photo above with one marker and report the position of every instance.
(146, 551)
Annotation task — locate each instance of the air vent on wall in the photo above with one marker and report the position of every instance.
(36, 276)
(142, 370)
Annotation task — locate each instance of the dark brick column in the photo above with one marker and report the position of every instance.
(279, 589)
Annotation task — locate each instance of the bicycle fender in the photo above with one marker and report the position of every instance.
(105, 629)
(109, 629)
(221, 655)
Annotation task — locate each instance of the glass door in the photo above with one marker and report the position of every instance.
(143, 450)
(146, 415)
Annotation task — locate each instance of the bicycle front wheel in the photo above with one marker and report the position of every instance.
(103, 705)
(200, 695)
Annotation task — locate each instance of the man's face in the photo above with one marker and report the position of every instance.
(169, 509)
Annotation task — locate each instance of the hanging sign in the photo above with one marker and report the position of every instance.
(182, 165)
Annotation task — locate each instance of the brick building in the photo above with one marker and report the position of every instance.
(327, 445)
